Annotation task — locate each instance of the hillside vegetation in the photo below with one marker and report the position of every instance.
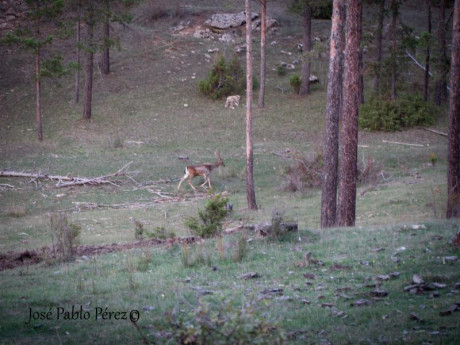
(148, 112)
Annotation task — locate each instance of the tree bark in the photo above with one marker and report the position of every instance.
(394, 18)
(305, 73)
(427, 60)
(349, 133)
(37, 77)
(263, 67)
(440, 95)
(333, 109)
(453, 147)
(38, 95)
(89, 70)
(361, 63)
(77, 74)
(251, 196)
(378, 72)
(106, 51)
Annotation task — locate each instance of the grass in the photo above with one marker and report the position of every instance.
(155, 282)
(139, 116)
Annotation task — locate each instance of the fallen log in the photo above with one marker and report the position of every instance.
(67, 181)
(400, 143)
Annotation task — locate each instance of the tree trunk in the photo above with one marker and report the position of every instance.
(361, 64)
(106, 51)
(38, 95)
(394, 13)
(333, 109)
(349, 134)
(305, 73)
(77, 74)
(263, 33)
(89, 71)
(37, 77)
(453, 147)
(427, 61)
(440, 95)
(251, 196)
(378, 71)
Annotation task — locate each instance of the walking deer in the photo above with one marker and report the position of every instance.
(204, 170)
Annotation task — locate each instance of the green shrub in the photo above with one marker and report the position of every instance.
(224, 79)
(225, 324)
(160, 233)
(384, 115)
(209, 221)
(64, 235)
(295, 83)
(281, 70)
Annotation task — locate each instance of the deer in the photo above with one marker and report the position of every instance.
(192, 171)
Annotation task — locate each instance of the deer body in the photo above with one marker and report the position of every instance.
(204, 170)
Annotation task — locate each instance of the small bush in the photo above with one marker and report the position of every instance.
(388, 116)
(160, 233)
(306, 173)
(195, 255)
(209, 221)
(281, 70)
(241, 248)
(17, 211)
(138, 230)
(295, 82)
(225, 78)
(226, 324)
(64, 236)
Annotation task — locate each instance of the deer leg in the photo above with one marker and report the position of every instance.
(206, 180)
(190, 183)
(182, 180)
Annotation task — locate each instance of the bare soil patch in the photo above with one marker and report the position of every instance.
(14, 259)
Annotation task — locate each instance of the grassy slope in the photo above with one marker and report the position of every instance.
(144, 101)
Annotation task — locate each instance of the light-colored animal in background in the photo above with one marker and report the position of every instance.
(204, 170)
(232, 101)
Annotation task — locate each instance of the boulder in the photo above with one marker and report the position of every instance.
(223, 21)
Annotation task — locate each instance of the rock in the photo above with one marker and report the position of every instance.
(250, 275)
(416, 279)
(227, 37)
(222, 21)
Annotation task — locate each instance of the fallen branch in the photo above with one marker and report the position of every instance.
(435, 131)
(400, 143)
(420, 65)
(67, 181)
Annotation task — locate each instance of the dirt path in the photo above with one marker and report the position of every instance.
(13, 259)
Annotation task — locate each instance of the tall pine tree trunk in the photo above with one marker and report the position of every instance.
(453, 147)
(89, 70)
(250, 192)
(305, 72)
(349, 133)
(440, 94)
(37, 75)
(361, 62)
(394, 18)
(106, 51)
(263, 67)
(378, 71)
(427, 60)
(77, 73)
(38, 95)
(333, 109)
